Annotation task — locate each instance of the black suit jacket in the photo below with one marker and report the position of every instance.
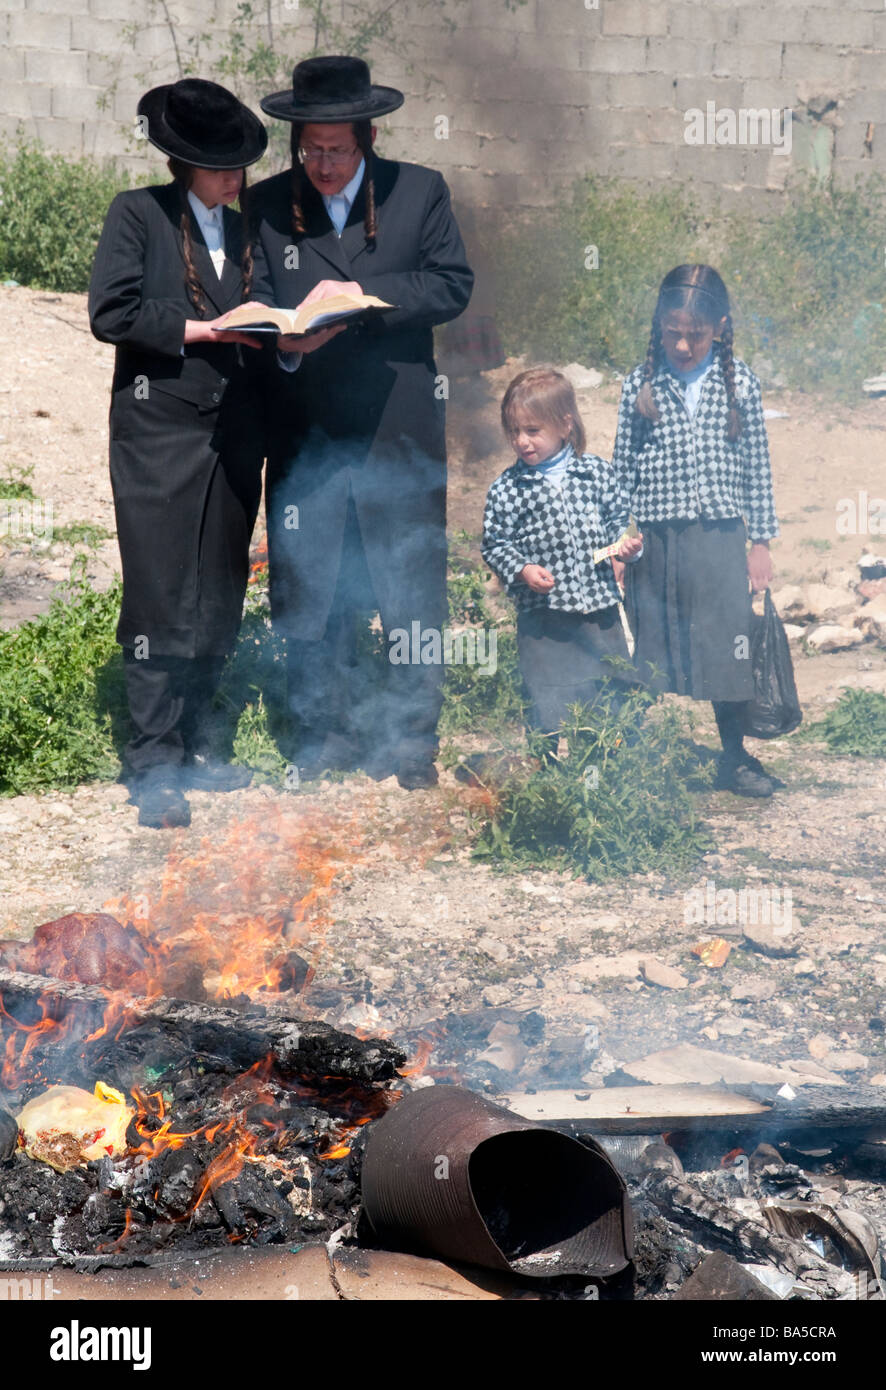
(364, 415)
(176, 420)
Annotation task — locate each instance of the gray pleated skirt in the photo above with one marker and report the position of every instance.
(689, 607)
(562, 659)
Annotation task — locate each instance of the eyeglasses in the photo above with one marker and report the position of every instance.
(335, 157)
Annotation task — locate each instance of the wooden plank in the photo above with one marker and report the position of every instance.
(704, 1066)
(639, 1109)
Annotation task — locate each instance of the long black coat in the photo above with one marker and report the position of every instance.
(364, 415)
(186, 452)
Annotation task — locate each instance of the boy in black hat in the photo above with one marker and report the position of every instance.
(357, 446)
(186, 448)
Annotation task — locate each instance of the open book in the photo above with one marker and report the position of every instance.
(337, 308)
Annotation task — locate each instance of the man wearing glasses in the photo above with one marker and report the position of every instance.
(356, 487)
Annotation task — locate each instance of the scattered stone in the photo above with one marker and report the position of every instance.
(793, 631)
(821, 1044)
(769, 940)
(626, 965)
(831, 637)
(583, 378)
(845, 1061)
(491, 946)
(879, 1078)
(655, 972)
(496, 995)
(753, 990)
(805, 966)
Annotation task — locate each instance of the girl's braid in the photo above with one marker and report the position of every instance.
(645, 402)
(246, 260)
(727, 361)
(192, 283)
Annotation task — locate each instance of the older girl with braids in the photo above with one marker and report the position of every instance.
(691, 449)
(186, 447)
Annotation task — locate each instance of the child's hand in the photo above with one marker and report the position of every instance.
(630, 546)
(759, 566)
(538, 578)
(618, 569)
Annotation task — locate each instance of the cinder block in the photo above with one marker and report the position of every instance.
(640, 17)
(628, 126)
(75, 103)
(777, 94)
(650, 162)
(865, 106)
(843, 26)
(849, 141)
(47, 65)
(98, 36)
(667, 127)
(816, 65)
(725, 165)
(12, 66)
(476, 14)
(743, 59)
(64, 137)
(789, 28)
(679, 57)
(102, 139)
(616, 54)
(556, 54)
(575, 18)
(569, 159)
(868, 69)
(480, 48)
(693, 93)
(694, 21)
(66, 7)
(26, 100)
(31, 30)
(651, 89)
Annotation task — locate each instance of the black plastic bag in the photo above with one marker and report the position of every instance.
(775, 708)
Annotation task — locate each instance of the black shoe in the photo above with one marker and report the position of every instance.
(745, 778)
(158, 795)
(413, 774)
(336, 753)
(209, 775)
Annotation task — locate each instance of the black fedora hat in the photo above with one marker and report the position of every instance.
(331, 91)
(203, 124)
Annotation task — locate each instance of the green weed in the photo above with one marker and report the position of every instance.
(856, 724)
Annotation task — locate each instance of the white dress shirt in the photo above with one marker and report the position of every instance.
(211, 224)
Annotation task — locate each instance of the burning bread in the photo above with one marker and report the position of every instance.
(66, 1127)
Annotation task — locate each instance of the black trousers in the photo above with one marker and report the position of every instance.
(334, 687)
(169, 704)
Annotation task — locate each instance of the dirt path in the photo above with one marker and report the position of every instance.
(414, 929)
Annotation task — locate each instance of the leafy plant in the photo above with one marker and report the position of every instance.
(51, 215)
(62, 681)
(618, 803)
(856, 724)
(86, 533)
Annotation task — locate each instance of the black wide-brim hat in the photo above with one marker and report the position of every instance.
(331, 91)
(203, 124)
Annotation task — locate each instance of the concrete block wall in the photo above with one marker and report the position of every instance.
(536, 92)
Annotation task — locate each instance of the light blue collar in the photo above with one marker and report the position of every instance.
(687, 378)
(344, 200)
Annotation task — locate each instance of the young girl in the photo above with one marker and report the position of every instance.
(692, 454)
(545, 517)
(186, 443)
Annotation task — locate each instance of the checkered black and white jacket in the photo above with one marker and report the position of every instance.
(684, 466)
(529, 522)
